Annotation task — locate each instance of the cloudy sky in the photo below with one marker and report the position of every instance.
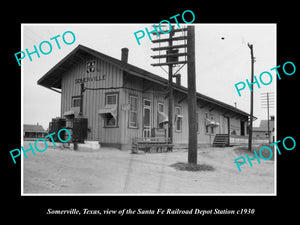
(222, 60)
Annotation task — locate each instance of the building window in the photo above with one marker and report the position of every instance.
(160, 108)
(111, 101)
(178, 119)
(147, 102)
(242, 128)
(75, 101)
(212, 128)
(147, 114)
(205, 123)
(110, 121)
(210, 123)
(133, 111)
(90, 66)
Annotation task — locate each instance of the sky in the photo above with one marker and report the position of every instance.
(222, 60)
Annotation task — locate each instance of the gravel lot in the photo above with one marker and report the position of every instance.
(111, 171)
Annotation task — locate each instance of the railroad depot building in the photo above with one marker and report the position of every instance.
(122, 101)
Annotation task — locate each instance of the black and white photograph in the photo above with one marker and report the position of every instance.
(125, 105)
(144, 112)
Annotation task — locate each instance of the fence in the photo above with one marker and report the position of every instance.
(243, 140)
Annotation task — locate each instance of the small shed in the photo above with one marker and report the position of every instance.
(33, 131)
(262, 130)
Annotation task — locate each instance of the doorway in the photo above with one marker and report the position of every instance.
(147, 118)
(242, 128)
(226, 125)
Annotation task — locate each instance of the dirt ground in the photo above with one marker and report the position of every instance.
(111, 171)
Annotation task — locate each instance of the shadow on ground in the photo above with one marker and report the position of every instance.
(192, 167)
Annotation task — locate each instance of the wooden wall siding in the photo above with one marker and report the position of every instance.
(135, 86)
(235, 126)
(129, 133)
(203, 137)
(93, 99)
(155, 94)
(123, 134)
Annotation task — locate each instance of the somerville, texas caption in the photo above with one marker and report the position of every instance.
(158, 211)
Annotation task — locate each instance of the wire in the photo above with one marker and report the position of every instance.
(122, 87)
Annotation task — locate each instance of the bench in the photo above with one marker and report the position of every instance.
(159, 141)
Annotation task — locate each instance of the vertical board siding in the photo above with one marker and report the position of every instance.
(157, 96)
(123, 134)
(203, 137)
(93, 100)
(133, 86)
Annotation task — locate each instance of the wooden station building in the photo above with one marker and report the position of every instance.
(122, 101)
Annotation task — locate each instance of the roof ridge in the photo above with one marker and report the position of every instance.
(134, 70)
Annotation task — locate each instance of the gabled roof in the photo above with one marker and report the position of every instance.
(52, 79)
(33, 128)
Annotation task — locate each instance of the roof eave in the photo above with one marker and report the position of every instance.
(43, 81)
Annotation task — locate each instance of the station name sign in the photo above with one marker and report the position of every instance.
(90, 79)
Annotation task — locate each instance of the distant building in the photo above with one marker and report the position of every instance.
(262, 130)
(32, 131)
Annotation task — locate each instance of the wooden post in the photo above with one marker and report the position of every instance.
(171, 97)
(251, 99)
(192, 102)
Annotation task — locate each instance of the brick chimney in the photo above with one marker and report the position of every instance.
(124, 55)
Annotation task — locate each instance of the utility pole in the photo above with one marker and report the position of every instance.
(171, 97)
(267, 101)
(172, 58)
(251, 99)
(192, 102)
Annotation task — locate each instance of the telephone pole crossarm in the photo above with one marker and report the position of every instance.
(171, 58)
